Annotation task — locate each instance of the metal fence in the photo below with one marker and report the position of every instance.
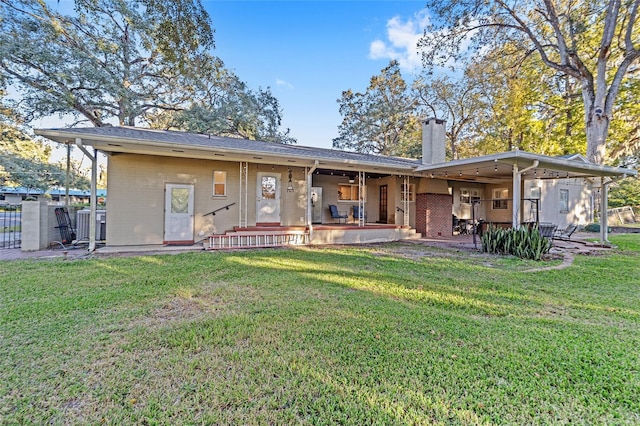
(10, 226)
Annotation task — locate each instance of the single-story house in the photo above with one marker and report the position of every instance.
(170, 187)
(17, 194)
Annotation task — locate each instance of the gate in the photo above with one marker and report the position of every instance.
(10, 226)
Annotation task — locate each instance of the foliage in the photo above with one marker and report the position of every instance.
(625, 193)
(383, 119)
(564, 35)
(525, 242)
(385, 334)
(24, 162)
(455, 101)
(225, 106)
(112, 59)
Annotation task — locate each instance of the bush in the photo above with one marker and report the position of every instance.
(594, 227)
(525, 243)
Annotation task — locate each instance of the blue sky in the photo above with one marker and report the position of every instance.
(308, 52)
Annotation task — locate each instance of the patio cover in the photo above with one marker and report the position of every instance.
(514, 166)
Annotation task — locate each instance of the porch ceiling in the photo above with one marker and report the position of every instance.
(498, 168)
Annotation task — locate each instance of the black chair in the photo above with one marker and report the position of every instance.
(565, 234)
(358, 214)
(335, 214)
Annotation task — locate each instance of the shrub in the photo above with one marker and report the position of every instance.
(525, 243)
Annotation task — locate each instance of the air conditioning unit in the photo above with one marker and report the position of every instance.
(83, 221)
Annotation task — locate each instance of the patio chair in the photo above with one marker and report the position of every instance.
(547, 230)
(358, 214)
(335, 214)
(565, 234)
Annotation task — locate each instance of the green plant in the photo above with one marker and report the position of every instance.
(525, 242)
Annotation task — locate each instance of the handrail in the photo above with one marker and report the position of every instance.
(398, 209)
(213, 213)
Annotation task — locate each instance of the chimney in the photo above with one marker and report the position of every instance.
(433, 141)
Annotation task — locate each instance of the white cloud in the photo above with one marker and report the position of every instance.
(282, 83)
(402, 41)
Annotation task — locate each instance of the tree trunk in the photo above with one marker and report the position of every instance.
(597, 130)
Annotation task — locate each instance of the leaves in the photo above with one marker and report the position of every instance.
(112, 60)
(381, 120)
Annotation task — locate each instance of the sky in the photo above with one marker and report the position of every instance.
(308, 52)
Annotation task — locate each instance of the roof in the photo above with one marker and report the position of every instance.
(20, 190)
(484, 169)
(182, 144)
(499, 168)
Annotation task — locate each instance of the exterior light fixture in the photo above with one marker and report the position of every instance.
(290, 184)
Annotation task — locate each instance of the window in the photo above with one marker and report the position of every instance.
(564, 200)
(500, 197)
(535, 193)
(348, 192)
(468, 196)
(412, 192)
(219, 184)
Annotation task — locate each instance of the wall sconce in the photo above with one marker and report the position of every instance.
(290, 184)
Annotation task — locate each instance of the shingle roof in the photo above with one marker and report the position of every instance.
(213, 142)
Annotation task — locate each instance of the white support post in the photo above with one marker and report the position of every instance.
(361, 197)
(309, 173)
(405, 203)
(516, 198)
(604, 206)
(92, 202)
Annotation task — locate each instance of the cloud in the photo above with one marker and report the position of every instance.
(282, 83)
(402, 41)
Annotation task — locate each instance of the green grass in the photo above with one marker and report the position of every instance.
(385, 334)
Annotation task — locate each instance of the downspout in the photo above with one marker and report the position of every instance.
(517, 193)
(309, 206)
(604, 206)
(92, 201)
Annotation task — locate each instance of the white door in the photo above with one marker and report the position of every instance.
(268, 198)
(178, 218)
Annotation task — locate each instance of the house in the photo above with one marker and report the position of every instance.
(169, 187)
(17, 194)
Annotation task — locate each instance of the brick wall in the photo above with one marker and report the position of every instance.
(433, 215)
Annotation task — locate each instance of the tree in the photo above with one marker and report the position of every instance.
(455, 101)
(594, 42)
(381, 120)
(25, 162)
(112, 59)
(225, 106)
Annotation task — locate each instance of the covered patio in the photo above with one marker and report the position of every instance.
(513, 168)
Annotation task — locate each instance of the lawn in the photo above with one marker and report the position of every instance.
(383, 334)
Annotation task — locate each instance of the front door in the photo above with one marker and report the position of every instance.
(268, 198)
(382, 209)
(178, 219)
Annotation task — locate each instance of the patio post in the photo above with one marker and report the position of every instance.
(604, 206)
(516, 199)
(92, 201)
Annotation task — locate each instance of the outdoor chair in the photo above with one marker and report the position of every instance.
(547, 230)
(565, 234)
(358, 214)
(335, 214)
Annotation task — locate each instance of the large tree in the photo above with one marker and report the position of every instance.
(110, 59)
(381, 120)
(454, 100)
(224, 105)
(594, 42)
